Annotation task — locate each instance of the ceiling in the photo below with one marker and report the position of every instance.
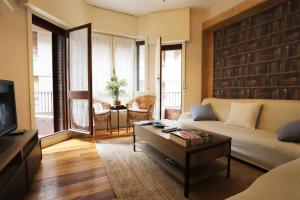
(144, 7)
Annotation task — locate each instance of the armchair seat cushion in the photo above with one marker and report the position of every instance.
(138, 110)
(101, 112)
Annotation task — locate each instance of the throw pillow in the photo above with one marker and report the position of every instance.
(203, 112)
(135, 106)
(98, 107)
(289, 132)
(243, 114)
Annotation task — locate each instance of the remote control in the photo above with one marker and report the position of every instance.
(170, 130)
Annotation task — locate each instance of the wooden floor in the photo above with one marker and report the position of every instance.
(73, 170)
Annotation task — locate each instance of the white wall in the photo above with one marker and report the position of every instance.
(173, 25)
(77, 12)
(14, 57)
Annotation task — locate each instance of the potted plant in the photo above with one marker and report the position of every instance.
(115, 88)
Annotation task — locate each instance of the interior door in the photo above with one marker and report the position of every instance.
(79, 79)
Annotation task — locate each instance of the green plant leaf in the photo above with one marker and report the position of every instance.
(115, 87)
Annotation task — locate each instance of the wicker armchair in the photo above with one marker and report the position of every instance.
(101, 113)
(142, 110)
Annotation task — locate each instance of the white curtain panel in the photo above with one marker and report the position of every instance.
(79, 75)
(124, 62)
(80, 113)
(112, 53)
(78, 60)
(102, 65)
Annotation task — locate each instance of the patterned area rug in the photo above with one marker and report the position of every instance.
(135, 176)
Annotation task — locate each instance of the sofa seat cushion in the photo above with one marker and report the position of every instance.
(258, 147)
(283, 182)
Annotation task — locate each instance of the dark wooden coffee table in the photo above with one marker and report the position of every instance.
(188, 165)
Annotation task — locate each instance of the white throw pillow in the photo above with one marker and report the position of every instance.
(98, 107)
(135, 106)
(243, 114)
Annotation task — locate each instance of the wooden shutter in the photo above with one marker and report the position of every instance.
(59, 90)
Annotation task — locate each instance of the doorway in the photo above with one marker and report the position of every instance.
(62, 78)
(171, 81)
(43, 80)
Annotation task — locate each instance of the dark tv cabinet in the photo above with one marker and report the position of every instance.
(18, 164)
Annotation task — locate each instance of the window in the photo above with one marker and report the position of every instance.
(112, 54)
(140, 66)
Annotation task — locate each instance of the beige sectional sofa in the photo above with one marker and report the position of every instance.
(281, 183)
(257, 146)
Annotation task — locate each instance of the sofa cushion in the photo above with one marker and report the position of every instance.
(243, 114)
(255, 146)
(203, 112)
(290, 132)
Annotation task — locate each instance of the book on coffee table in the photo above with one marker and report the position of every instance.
(189, 138)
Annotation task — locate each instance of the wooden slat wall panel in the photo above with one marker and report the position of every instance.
(259, 57)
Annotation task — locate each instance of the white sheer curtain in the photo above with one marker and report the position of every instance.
(80, 113)
(79, 60)
(112, 53)
(79, 76)
(124, 62)
(102, 65)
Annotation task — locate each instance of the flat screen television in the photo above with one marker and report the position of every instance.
(8, 115)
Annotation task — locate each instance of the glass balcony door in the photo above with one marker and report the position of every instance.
(171, 79)
(79, 95)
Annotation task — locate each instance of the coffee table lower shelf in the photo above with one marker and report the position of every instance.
(171, 167)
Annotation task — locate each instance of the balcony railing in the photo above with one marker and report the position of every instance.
(43, 101)
(172, 99)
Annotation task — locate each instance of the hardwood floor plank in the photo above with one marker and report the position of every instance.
(71, 170)
(68, 179)
(102, 195)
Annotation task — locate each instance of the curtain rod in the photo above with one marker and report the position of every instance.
(116, 35)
